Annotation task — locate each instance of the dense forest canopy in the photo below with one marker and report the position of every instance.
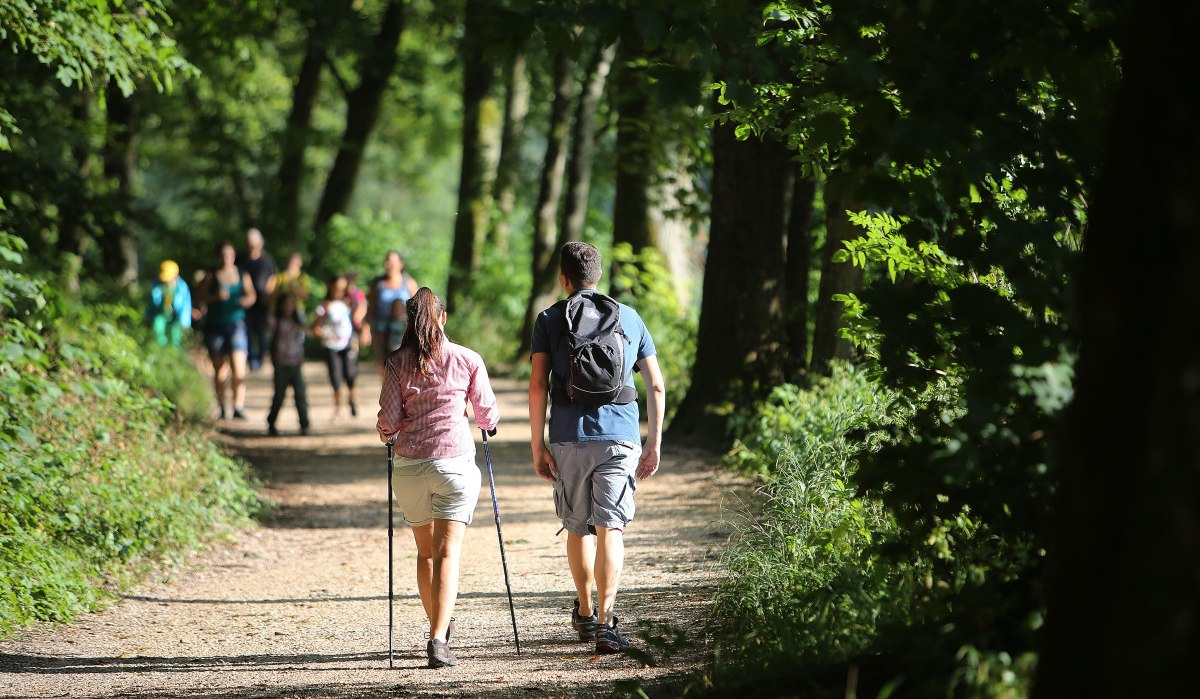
(780, 187)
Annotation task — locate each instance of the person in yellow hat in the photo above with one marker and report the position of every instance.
(170, 309)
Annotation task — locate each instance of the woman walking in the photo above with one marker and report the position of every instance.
(423, 406)
(394, 285)
(230, 292)
(335, 326)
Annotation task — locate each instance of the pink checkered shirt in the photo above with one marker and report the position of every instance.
(429, 415)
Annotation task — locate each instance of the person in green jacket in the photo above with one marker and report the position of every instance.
(169, 311)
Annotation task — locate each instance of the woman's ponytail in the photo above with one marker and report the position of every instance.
(424, 333)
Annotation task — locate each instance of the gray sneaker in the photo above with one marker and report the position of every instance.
(585, 626)
(439, 654)
(609, 640)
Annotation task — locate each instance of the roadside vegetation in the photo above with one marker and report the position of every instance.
(106, 470)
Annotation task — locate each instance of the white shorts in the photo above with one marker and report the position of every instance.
(429, 489)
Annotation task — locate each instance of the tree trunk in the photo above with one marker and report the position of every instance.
(798, 267)
(1123, 607)
(836, 278)
(508, 169)
(583, 144)
(545, 270)
(72, 234)
(285, 210)
(117, 246)
(474, 201)
(376, 66)
(633, 221)
(741, 316)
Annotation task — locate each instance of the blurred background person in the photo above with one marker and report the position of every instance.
(259, 264)
(169, 311)
(230, 292)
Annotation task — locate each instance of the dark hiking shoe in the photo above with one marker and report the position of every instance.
(271, 431)
(439, 654)
(585, 626)
(353, 409)
(609, 640)
(238, 414)
(304, 430)
(222, 413)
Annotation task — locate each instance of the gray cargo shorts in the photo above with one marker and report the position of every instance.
(428, 489)
(595, 484)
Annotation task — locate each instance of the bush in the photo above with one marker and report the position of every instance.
(98, 477)
(822, 578)
(805, 587)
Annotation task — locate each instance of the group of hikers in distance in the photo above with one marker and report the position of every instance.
(584, 352)
(248, 310)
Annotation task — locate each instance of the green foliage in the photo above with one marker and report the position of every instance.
(815, 582)
(360, 243)
(86, 43)
(490, 321)
(976, 153)
(647, 285)
(806, 586)
(794, 420)
(97, 479)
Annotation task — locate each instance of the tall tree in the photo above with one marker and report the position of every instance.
(636, 148)
(738, 348)
(1123, 612)
(375, 68)
(474, 185)
(583, 142)
(836, 278)
(72, 235)
(545, 220)
(798, 267)
(117, 245)
(285, 209)
(508, 167)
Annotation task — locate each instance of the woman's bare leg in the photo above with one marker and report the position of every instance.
(238, 360)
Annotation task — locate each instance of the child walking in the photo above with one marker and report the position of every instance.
(335, 325)
(287, 356)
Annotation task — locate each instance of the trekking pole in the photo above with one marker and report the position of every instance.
(391, 463)
(487, 452)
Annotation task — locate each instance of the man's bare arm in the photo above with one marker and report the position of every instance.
(656, 402)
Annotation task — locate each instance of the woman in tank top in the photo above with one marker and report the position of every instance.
(230, 292)
(395, 284)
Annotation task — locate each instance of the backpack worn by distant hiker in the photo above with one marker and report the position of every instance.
(595, 346)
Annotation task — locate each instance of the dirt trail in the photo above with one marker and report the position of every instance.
(298, 606)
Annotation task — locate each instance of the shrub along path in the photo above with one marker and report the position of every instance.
(298, 606)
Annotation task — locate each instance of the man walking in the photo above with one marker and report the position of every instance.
(259, 264)
(594, 453)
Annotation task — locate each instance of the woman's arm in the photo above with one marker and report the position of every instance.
(391, 405)
(483, 399)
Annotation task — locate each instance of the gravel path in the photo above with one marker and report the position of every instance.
(297, 607)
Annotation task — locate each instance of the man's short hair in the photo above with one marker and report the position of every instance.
(580, 264)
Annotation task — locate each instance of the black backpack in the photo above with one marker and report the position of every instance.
(595, 346)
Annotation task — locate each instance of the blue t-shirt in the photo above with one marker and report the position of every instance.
(584, 423)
